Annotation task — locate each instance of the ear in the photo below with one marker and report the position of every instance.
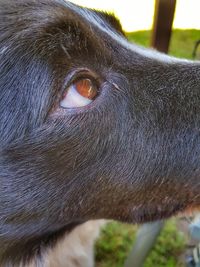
(112, 20)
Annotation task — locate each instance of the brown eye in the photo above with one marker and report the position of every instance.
(79, 94)
(86, 88)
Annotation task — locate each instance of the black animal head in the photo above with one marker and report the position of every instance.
(131, 153)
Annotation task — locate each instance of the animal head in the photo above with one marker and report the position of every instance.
(91, 125)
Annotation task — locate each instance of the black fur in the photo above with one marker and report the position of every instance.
(132, 155)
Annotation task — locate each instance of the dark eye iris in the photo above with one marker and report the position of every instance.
(79, 94)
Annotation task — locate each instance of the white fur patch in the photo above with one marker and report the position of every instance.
(76, 248)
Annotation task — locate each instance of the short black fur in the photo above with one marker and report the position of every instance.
(132, 155)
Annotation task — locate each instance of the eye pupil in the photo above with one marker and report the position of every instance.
(86, 88)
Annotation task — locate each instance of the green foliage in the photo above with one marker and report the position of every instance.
(117, 239)
(169, 246)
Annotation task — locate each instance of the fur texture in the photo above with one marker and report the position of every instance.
(131, 155)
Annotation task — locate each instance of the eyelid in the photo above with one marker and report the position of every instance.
(71, 97)
(73, 75)
(85, 73)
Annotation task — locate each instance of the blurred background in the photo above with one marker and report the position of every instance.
(172, 27)
(137, 15)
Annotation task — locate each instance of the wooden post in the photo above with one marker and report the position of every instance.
(162, 26)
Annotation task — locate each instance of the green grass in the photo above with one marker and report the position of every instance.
(117, 239)
(140, 37)
(182, 41)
